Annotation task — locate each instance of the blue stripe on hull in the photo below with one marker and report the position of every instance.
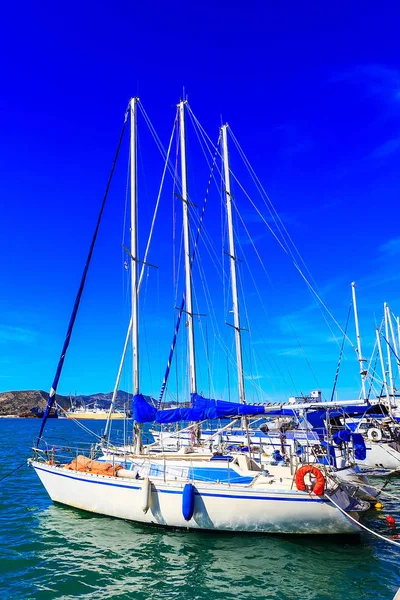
(215, 495)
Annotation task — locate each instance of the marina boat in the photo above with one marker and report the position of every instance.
(266, 505)
(83, 413)
(252, 498)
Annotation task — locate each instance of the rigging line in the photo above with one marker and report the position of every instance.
(259, 295)
(259, 185)
(211, 166)
(214, 321)
(391, 348)
(126, 199)
(77, 422)
(372, 377)
(208, 362)
(274, 364)
(13, 471)
(172, 349)
(215, 259)
(156, 138)
(149, 239)
(303, 352)
(340, 355)
(223, 222)
(266, 197)
(210, 306)
(252, 243)
(175, 180)
(280, 242)
(144, 327)
(53, 389)
(252, 353)
(260, 191)
(196, 302)
(370, 361)
(243, 302)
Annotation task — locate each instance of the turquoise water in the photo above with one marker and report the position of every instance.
(49, 551)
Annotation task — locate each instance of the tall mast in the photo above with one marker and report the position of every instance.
(134, 249)
(361, 360)
(394, 340)
(186, 241)
(389, 355)
(398, 330)
(378, 340)
(232, 260)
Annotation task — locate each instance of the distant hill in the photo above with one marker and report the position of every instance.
(28, 402)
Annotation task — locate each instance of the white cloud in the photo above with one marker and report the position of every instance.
(12, 333)
(377, 79)
(391, 247)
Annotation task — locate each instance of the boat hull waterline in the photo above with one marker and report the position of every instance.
(217, 507)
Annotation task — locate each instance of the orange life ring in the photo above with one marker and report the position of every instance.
(319, 484)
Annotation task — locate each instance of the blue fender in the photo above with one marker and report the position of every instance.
(188, 501)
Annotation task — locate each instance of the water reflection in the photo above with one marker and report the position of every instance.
(97, 555)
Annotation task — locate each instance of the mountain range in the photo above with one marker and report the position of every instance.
(30, 403)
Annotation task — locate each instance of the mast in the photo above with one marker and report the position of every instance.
(389, 355)
(232, 260)
(134, 249)
(398, 329)
(134, 264)
(394, 340)
(378, 340)
(361, 360)
(397, 319)
(187, 253)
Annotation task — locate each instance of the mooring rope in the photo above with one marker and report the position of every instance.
(382, 537)
(13, 471)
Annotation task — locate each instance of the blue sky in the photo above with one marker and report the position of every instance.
(313, 96)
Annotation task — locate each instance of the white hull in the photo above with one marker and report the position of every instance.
(256, 508)
(380, 455)
(359, 484)
(93, 416)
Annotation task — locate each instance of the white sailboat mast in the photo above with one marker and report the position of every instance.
(134, 247)
(394, 340)
(398, 330)
(389, 355)
(232, 259)
(361, 360)
(186, 241)
(378, 341)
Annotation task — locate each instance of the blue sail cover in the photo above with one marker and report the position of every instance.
(142, 410)
(214, 409)
(202, 408)
(316, 417)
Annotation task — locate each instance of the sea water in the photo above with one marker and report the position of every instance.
(49, 551)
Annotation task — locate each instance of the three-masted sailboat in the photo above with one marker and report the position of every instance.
(250, 498)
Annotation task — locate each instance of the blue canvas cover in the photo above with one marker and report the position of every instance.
(142, 410)
(360, 449)
(215, 409)
(202, 409)
(316, 417)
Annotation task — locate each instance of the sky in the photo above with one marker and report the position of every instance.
(312, 94)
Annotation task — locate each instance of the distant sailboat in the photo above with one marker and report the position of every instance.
(85, 412)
